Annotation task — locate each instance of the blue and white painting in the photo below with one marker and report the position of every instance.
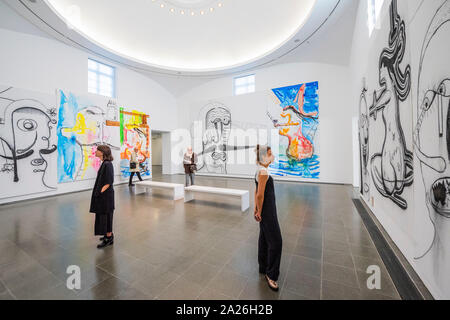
(294, 112)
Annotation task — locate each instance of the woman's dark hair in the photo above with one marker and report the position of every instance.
(258, 150)
(106, 152)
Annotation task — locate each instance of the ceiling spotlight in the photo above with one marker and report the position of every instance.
(211, 9)
(182, 12)
(220, 4)
(202, 12)
(192, 13)
(172, 10)
(162, 5)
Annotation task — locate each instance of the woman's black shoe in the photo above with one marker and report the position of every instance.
(104, 237)
(106, 242)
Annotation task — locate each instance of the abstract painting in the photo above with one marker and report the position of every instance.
(432, 144)
(27, 142)
(363, 126)
(214, 156)
(134, 133)
(294, 112)
(392, 166)
(81, 128)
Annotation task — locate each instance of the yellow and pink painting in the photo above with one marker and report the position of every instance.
(81, 128)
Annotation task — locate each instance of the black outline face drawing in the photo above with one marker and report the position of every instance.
(28, 137)
(432, 139)
(215, 139)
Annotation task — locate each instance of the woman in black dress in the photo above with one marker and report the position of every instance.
(270, 242)
(102, 200)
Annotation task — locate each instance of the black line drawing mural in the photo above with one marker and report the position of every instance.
(27, 134)
(432, 139)
(392, 168)
(218, 125)
(363, 125)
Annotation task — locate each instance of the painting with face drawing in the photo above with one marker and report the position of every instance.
(81, 128)
(294, 112)
(432, 142)
(27, 142)
(218, 143)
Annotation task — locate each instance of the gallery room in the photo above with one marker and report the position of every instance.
(230, 150)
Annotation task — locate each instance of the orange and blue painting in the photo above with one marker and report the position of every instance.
(294, 113)
(134, 133)
(81, 128)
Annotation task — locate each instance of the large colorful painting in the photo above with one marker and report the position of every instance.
(81, 128)
(27, 142)
(134, 133)
(294, 112)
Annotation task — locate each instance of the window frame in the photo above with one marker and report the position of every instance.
(98, 73)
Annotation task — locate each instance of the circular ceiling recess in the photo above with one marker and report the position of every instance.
(186, 35)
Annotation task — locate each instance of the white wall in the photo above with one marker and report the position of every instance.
(335, 113)
(157, 151)
(416, 227)
(38, 63)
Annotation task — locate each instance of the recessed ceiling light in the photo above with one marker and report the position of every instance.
(182, 12)
(192, 13)
(297, 40)
(162, 5)
(172, 10)
(211, 9)
(202, 12)
(220, 4)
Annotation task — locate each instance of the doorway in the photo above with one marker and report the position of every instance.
(160, 153)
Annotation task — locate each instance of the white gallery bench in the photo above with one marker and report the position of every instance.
(242, 194)
(177, 188)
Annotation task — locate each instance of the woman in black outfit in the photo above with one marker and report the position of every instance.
(270, 242)
(102, 200)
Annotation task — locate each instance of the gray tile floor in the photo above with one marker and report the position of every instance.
(205, 249)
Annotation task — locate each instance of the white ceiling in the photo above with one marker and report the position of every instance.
(238, 35)
(325, 38)
(234, 34)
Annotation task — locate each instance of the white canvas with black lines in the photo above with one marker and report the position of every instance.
(28, 143)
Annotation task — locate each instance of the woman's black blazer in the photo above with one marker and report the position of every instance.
(103, 202)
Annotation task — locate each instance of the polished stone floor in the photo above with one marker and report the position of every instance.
(205, 249)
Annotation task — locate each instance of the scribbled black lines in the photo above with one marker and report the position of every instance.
(26, 131)
(392, 168)
(432, 130)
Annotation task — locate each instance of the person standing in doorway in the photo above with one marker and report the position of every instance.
(270, 241)
(102, 200)
(134, 166)
(190, 165)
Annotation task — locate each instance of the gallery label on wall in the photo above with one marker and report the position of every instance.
(294, 112)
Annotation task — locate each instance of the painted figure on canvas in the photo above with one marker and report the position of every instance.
(392, 168)
(432, 141)
(214, 156)
(297, 124)
(363, 128)
(81, 128)
(27, 139)
(134, 134)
